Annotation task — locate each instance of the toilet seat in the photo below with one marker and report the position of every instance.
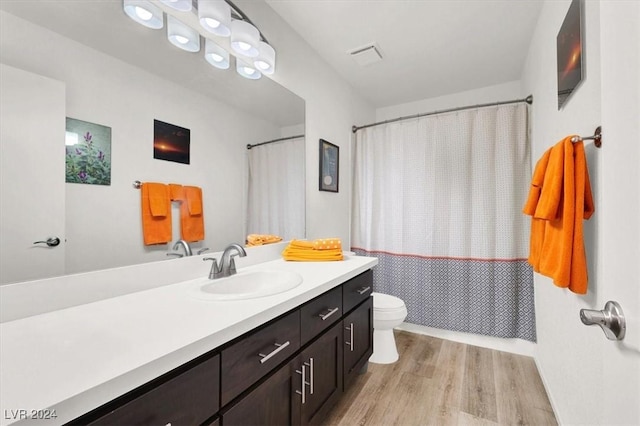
(386, 302)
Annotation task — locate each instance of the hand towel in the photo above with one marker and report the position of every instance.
(559, 200)
(156, 213)
(176, 192)
(191, 214)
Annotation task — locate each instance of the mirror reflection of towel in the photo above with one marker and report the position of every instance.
(156, 213)
(191, 214)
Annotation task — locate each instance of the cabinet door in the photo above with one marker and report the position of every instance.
(358, 340)
(274, 402)
(322, 364)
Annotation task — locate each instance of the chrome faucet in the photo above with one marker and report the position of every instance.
(227, 264)
(185, 245)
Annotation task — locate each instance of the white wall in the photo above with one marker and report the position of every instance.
(589, 379)
(103, 222)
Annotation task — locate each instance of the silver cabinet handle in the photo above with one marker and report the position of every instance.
(328, 314)
(264, 358)
(363, 290)
(350, 342)
(310, 365)
(51, 242)
(303, 373)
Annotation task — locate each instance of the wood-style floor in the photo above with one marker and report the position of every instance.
(440, 382)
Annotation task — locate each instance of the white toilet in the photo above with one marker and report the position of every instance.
(388, 312)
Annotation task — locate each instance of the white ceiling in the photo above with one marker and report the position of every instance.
(430, 47)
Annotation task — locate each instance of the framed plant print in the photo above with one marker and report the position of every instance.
(329, 165)
(88, 152)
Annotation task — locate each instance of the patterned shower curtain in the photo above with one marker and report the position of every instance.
(438, 201)
(276, 195)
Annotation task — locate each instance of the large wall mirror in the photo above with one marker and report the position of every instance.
(90, 62)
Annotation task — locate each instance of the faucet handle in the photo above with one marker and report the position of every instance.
(202, 250)
(215, 272)
(173, 253)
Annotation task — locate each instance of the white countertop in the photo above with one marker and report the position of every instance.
(76, 359)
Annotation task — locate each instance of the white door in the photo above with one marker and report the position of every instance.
(32, 174)
(619, 186)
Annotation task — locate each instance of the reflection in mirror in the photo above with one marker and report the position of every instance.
(276, 199)
(101, 67)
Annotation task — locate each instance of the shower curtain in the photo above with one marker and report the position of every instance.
(438, 201)
(276, 191)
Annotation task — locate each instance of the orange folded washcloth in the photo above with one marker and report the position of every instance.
(191, 214)
(559, 200)
(259, 239)
(156, 213)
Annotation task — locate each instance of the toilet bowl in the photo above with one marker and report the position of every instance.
(388, 312)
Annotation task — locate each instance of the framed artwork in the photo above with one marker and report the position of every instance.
(329, 165)
(88, 153)
(171, 142)
(570, 51)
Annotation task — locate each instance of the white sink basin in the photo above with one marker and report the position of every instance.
(246, 285)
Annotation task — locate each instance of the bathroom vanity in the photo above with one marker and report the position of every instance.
(281, 359)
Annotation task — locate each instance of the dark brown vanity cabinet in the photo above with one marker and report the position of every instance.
(292, 370)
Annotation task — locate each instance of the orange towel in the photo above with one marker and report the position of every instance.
(254, 240)
(156, 213)
(559, 200)
(306, 251)
(191, 214)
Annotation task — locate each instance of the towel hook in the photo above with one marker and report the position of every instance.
(137, 184)
(596, 138)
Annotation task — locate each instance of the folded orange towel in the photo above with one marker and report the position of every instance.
(299, 250)
(156, 213)
(259, 240)
(559, 200)
(176, 192)
(191, 214)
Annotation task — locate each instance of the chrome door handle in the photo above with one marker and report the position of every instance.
(363, 290)
(51, 242)
(304, 382)
(611, 320)
(310, 365)
(350, 342)
(280, 346)
(328, 314)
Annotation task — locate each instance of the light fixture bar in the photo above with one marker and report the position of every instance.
(181, 5)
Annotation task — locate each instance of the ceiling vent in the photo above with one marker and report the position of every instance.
(366, 55)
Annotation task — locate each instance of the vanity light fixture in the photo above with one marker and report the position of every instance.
(221, 18)
(265, 62)
(182, 35)
(215, 17)
(246, 70)
(216, 55)
(244, 38)
(181, 5)
(144, 12)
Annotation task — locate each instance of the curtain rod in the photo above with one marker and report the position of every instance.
(249, 146)
(528, 100)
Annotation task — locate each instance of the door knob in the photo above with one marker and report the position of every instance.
(51, 242)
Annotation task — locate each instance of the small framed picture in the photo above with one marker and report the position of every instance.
(329, 165)
(570, 51)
